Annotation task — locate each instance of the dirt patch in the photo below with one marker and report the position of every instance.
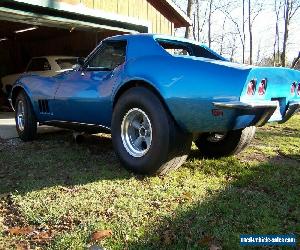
(253, 156)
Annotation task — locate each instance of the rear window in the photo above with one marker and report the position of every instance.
(176, 49)
(186, 49)
(39, 64)
(66, 63)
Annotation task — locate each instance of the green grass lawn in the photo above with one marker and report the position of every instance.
(54, 194)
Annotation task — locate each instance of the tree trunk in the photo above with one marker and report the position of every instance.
(295, 61)
(250, 33)
(209, 23)
(286, 32)
(244, 34)
(189, 29)
(222, 37)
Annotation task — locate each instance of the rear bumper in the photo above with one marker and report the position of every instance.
(262, 110)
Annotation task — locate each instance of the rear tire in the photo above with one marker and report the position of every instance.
(231, 143)
(26, 123)
(145, 136)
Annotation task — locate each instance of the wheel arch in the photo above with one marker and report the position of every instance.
(141, 83)
(17, 90)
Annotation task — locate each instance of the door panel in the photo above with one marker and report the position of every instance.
(81, 98)
(84, 96)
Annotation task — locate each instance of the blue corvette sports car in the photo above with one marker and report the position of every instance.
(156, 94)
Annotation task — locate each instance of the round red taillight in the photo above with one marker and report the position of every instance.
(262, 87)
(251, 87)
(293, 88)
(298, 89)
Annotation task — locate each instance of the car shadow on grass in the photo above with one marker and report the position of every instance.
(261, 198)
(56, 159)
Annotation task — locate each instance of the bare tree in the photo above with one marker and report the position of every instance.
(290, 9)
(239, 27)
(190, 7)
(276, 46)
(296, 60)
(209, 21)
(222, 37)
(244, 33)
(252, 15)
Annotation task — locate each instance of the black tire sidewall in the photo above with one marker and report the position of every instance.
(232, 143)
(158, 153)
(30, 124)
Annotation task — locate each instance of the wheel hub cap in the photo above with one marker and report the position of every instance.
(136, 132)
(21, 116)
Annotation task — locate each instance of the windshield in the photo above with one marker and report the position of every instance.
(66, 63)
(187, 49)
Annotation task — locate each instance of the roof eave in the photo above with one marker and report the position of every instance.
(183, 19)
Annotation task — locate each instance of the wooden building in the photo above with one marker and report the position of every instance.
(73, 27)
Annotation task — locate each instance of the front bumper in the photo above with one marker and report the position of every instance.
(262, 110)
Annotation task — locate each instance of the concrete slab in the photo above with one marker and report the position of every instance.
(8, 126)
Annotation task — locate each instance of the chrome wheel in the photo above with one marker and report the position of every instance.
(216, 137)
(136, 132)
(21, 116)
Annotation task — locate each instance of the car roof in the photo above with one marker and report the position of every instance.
(163, 37)
(153, 36)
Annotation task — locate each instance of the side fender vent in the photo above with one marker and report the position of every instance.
(44, 107)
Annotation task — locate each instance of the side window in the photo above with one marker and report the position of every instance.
(39, 64)
(110, 55)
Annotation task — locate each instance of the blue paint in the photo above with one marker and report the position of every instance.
(188, 85)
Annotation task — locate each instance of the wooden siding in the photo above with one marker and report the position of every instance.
(139, 9)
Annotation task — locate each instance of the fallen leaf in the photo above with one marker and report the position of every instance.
(20, 230)
(42, 237)
(100, 235)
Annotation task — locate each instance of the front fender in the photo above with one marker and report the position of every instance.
(16, 90)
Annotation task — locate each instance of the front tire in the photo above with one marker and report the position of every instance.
(216, 145)
(145, 136)
(26, 123)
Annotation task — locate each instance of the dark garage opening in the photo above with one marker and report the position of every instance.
(16, 49)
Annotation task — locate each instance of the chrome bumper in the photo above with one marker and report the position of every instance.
(263, 110)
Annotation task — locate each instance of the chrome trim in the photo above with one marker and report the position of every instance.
(20, 116)
(264, 109)
(77, 123)
(246, 105)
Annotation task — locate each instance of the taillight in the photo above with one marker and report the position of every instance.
(293, 88)
(251, 87)
(298, 89)
(262, 87)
